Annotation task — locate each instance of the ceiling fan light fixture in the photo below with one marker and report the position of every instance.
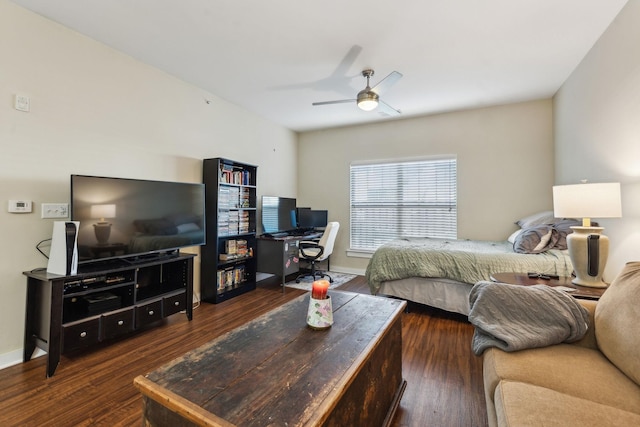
(367, 100)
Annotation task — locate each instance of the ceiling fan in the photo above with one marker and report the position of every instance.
(368, 99)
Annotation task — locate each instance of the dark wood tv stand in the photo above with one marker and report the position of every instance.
(68, 313)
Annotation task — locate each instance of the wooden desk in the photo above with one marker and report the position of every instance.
(281, 255)
(523, 279)
(276, 371)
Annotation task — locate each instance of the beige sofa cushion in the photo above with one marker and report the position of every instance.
(617, 321)
(520, 404)
(578, 371)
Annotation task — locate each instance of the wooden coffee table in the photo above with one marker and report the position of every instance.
(523, 279)
(277, 371)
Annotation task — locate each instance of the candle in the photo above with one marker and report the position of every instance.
(319, 289)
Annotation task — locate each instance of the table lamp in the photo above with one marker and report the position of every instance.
(102, 228)
(588, 247)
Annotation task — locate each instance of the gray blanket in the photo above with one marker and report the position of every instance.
(513, 317)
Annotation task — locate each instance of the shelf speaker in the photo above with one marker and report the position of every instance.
(63, 256)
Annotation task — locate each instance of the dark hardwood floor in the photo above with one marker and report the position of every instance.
(96, 387)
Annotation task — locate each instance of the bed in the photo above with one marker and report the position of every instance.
(172, 231)
(441, 272)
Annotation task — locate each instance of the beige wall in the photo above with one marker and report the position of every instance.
(505, 166)
(597, 129)
(98, 112)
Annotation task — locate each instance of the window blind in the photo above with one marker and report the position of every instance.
(416, 198)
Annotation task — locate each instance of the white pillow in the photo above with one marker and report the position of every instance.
(184, 228)
(514, 236)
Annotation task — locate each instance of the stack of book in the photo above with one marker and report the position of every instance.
(245, 198)
(241, 248)
(234, 220)
(235, 249)
(243, 222)
(231, 176)
(230, 278)
(234, 198)
(223, 223)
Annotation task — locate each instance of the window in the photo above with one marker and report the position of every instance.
(415, 198)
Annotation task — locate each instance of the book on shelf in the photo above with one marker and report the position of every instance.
(234, 198)
(223, 277)
(233, 222)
(231, 247)
(237, 176)
(230, 278)
(243, 222)
(245, 198)
(223, 223)
(241, 248)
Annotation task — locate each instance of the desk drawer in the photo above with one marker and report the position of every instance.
(148, 313)
(80, 334)
(117, 323)
(174, 304)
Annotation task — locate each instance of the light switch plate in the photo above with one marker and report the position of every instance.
(22, 103)
(55, 210)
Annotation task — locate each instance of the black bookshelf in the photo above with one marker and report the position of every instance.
(228, 260)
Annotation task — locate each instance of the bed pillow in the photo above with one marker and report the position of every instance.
(545, 217)
(535, 240)
(514, 235)
(158, 227)
(185, 228)
(180, 219)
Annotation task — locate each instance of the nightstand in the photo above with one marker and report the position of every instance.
(524, 280)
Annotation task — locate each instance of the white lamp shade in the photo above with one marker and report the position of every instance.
(103, 211)
(368, 105)
(600, 200)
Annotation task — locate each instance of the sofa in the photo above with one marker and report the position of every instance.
(594, 381)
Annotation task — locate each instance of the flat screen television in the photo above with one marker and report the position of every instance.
(133, 218)
(278, 214)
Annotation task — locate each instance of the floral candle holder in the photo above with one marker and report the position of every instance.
(320, 313)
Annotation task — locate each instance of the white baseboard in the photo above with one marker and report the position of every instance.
(357, 271)
(15, 357)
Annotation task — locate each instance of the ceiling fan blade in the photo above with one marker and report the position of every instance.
(387, 82)
(341, 101)
(343, 68)
(387, 110)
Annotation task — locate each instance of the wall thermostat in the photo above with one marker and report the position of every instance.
(20, 206)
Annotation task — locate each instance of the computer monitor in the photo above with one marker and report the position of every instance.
(305, 219)
(278, 214)
(319, 218)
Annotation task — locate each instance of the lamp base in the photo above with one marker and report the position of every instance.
(588, 258)
(102, 231)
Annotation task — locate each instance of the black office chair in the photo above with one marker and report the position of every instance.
(319, 251)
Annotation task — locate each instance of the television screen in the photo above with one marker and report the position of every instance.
(130, 217)
(278, 214)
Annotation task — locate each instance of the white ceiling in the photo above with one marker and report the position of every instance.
(276, 57)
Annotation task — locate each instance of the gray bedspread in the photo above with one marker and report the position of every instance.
(467, 261)
(513, 317)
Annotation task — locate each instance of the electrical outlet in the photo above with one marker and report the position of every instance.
(55, 210)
